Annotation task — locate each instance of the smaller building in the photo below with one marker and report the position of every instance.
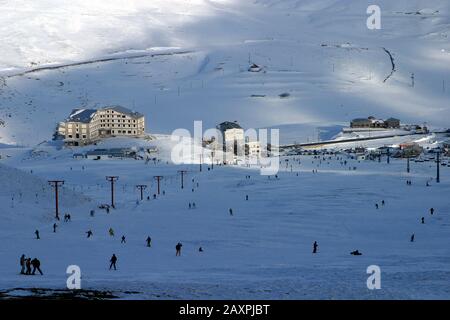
(105, 154)
(392, 123)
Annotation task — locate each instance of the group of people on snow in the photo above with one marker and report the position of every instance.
(27, 263)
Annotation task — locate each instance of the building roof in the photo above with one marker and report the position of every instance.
(228, 125)
(124, 110)
(393, 119)
(362, 120)
(81, 115)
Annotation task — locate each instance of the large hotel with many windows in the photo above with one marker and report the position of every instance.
(85, 126)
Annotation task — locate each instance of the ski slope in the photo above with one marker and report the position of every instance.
(262, 251)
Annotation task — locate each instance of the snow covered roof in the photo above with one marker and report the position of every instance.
(124, 110)
(81, 115)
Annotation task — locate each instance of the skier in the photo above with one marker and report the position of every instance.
(92, 213)
(423, 220)
(54, 227)
(382, 203)
(28, 265)
(107, 210)
(69, 217)
(113, 262)
(123, 240)
(111, 232)
(178, 249)
(37, 234)
(189, 205)
(412, 237)
(22, 264)
(315, 245)
(246, 197)
(231, 212)
(149, 241)
(193, 205)
(432, 211)
(200, 249)
(36, 266)
(154, 196)
(376, 205)
(89, 233)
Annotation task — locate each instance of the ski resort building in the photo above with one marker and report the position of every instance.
(85, 126)
(372, 122)
(233, 136)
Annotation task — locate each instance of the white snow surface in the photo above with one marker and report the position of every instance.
(263, 251)
(183, 60)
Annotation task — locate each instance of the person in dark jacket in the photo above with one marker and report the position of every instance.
(178, 249)
(356, 253)
(28, 265)
(412, 237)
(432, 211)
(54, 227)
(149, 242)
(123, 240)
(315, 246)
(89, 233)
(113, 262)
(37, 234)
(36, 266)
(22, 264)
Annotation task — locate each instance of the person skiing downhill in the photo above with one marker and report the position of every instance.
(149, 241)
(113, 262)
(423, 220)
(315, 246)
(89, 233)
(178, 249)
(111, 232)
(54, 227)
(123, 240)
(37, 234)
(231, 212)
(412, 237)
(432, 211)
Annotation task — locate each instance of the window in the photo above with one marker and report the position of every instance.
(129, 131)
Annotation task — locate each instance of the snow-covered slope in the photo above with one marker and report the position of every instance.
(318, 52)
